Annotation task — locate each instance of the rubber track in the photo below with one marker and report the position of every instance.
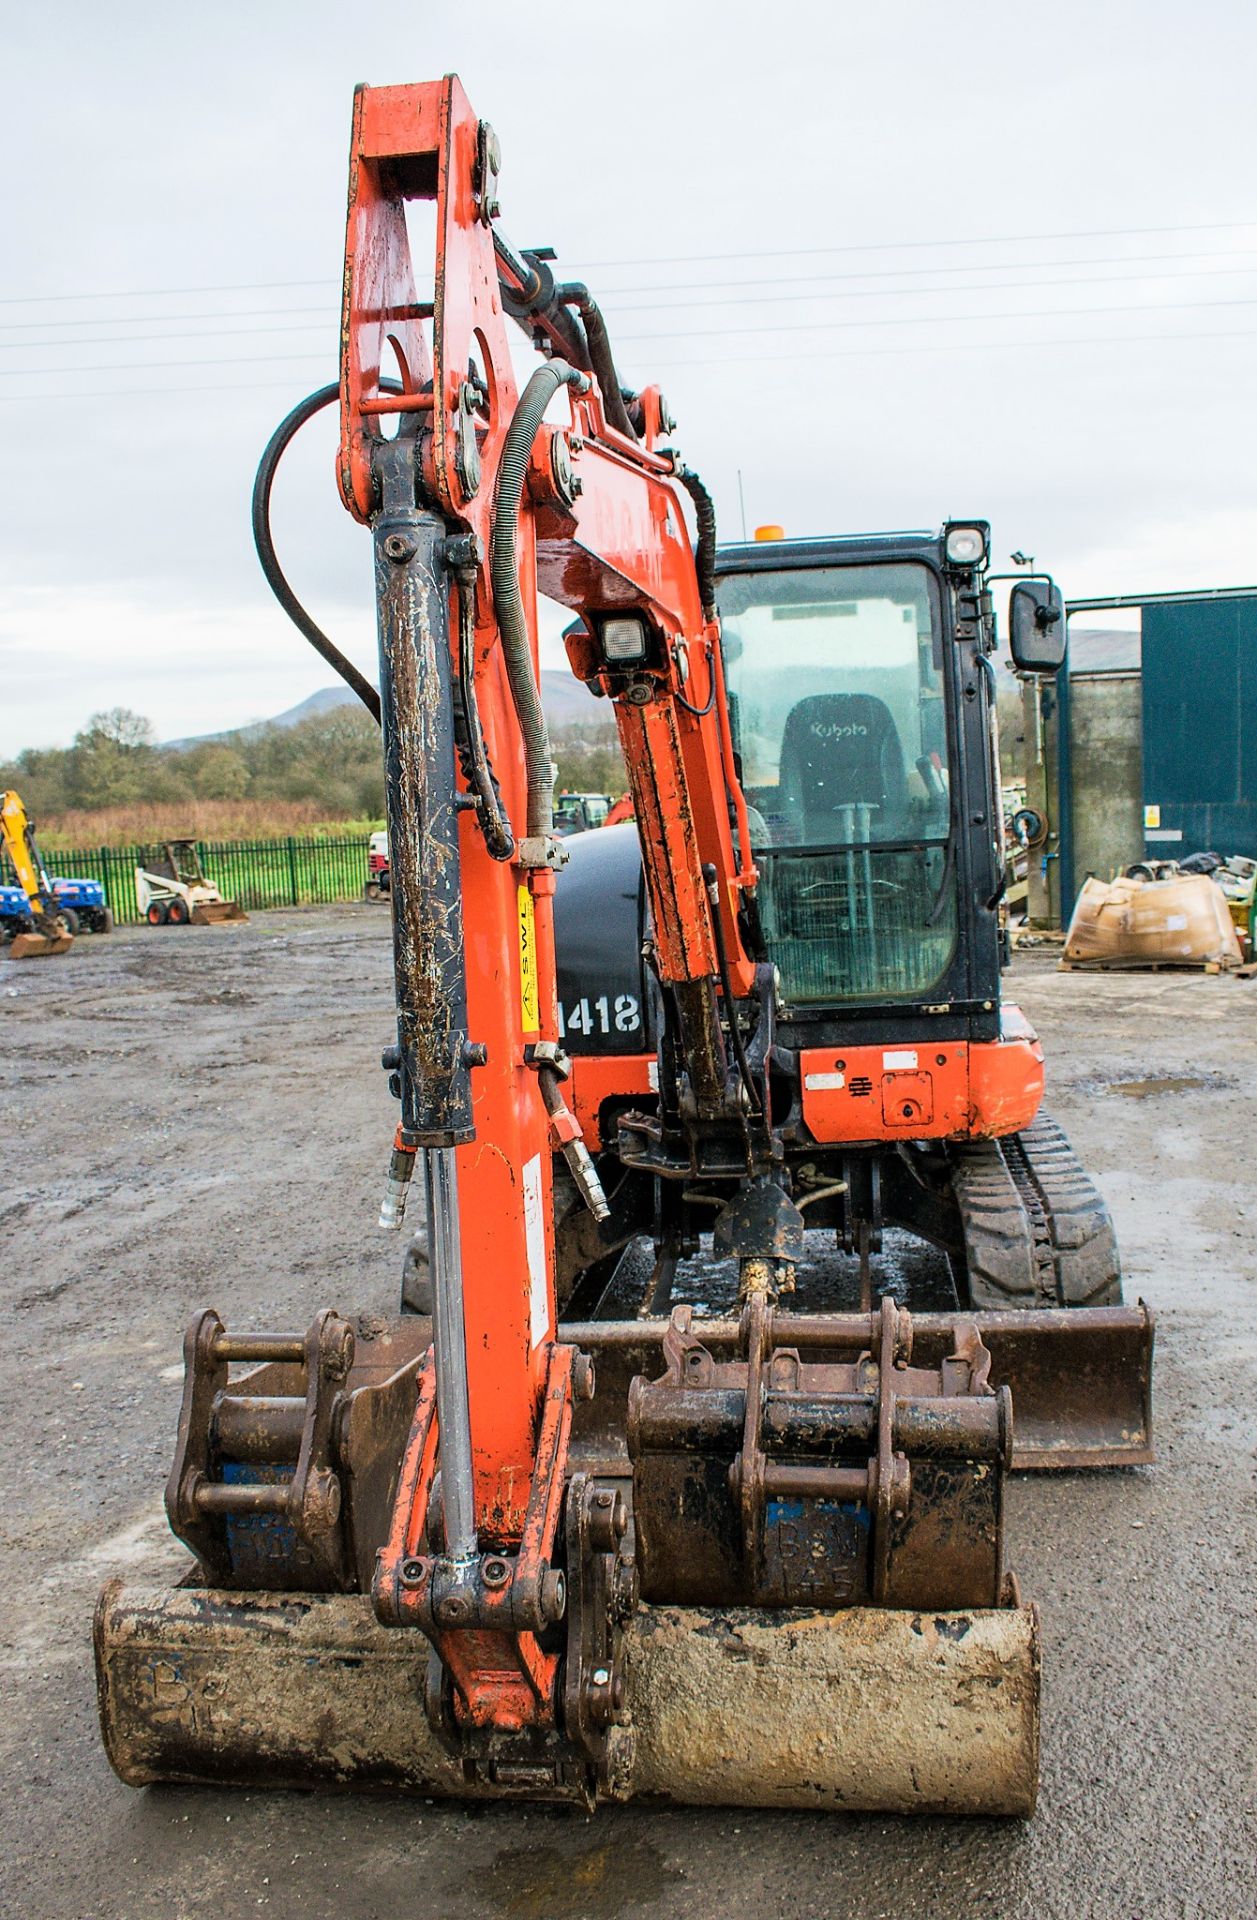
(1037, 1232)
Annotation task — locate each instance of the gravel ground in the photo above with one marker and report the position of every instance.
(196, 1117)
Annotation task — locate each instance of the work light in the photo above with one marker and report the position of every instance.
(624, 640)
(965, 546)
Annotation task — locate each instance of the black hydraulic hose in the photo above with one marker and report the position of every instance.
(527, 288)
(494, 824)
(705, 514)
(712, 882)
(276, 447)
(574, 293)
(507, 600)
(701, 713)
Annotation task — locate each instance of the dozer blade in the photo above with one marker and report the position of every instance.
(866, 1709)
(210, 912)
(36, 946)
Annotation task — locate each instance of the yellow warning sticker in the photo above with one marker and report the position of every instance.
(529, 1005)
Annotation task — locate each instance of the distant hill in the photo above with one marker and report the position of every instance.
(566, 701)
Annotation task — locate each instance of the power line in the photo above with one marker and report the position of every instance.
(157, 366)
(716, 333)
(327, 316)
(163, 293)
(326, 323)
(947, 293)
(942, 319)
(670, 286)
(137, 319)
(706, 360)
(679, 259)
(952, 346)
(903, 273)
(908, 246)
(274, 384)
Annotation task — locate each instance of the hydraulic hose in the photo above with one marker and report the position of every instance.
(705, 514)
(574, 293)
(276, 447)
(527, 288)
(491, 813)
(508, 601)
(712, 883)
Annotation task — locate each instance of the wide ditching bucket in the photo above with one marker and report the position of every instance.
(857, 1710)
(800, 1607)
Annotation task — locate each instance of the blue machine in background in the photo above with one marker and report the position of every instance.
(81, 903)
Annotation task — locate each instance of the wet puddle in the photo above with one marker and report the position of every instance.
(595, 1882)
(1167, 1083)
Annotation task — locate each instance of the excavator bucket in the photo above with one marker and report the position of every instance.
(271, 1664)
(209, 913)
(36, 946)
(1080, 1380)
(853, 1711)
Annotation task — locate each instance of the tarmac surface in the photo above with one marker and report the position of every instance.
(196, 1116)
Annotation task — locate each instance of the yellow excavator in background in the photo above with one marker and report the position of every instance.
(50, 933)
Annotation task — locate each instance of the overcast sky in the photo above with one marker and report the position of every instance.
(893, 262)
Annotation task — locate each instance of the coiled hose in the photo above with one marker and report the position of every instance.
(508, 601)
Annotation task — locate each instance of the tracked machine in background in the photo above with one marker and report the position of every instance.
(758, 1558)
(49, 929)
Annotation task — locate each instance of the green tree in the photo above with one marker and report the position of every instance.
(217, 772)
(112, 760)
(41, 776)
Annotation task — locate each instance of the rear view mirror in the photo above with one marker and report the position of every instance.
(1036, 620)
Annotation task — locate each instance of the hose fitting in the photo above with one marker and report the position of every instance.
(401, 1166)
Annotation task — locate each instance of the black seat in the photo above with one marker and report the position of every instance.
(840, 750)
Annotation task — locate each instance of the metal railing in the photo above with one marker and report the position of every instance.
(257, 873)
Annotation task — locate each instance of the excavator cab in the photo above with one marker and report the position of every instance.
(840, 693)
(907, 1090)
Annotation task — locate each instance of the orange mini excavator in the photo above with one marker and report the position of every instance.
(739, 1546)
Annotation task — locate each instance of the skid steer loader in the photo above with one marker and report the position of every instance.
(753, 1556)
(174, 892)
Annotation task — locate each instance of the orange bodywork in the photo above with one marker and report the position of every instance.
(957, 1090)
(597, 1077)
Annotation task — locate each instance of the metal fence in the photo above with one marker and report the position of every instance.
(257, 873)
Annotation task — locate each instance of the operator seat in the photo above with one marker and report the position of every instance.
(837, 750)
